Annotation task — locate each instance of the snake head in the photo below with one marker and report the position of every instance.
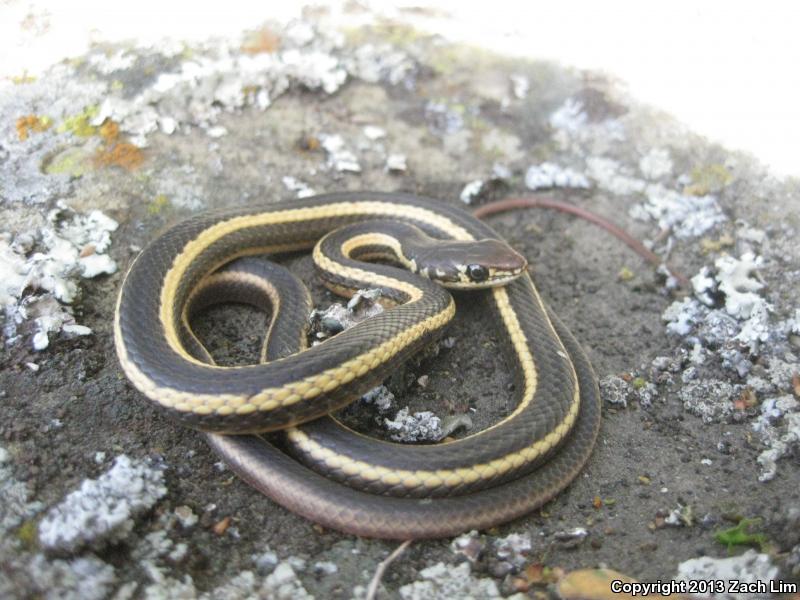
(474, 264)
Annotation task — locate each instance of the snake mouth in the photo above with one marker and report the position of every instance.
(497, 278)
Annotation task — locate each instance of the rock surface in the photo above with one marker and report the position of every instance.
(699, 412)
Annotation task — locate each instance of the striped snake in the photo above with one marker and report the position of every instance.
(321, 469)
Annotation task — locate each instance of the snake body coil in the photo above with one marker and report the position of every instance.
(334, 476)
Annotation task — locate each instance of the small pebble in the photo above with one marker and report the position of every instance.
(297, 563)
(324, 567)
(396, 163)
(500, 568)
(266, 562)
(222, 526)
(186, 516)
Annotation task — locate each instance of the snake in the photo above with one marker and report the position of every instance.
(318, 467)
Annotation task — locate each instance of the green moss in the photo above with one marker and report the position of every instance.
(639, 382)
(72, 161)
(80, 124)
(452, 58)
(708, 179)
(158, 204)
(386, 32)
(27, 534)
(741, 535)
(625, 274)
(23, 79)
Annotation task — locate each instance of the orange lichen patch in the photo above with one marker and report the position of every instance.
(747, 399)
(309, 143)
(32, 123)
(593, 584)
(109, 131)
(114, 152)
(119, 154)
(536, 574)
(263, 40)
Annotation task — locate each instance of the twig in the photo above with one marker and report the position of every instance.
(508, 204)
(376, 579)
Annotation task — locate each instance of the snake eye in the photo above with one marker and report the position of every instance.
(477, 272)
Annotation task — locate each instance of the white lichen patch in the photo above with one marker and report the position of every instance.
(743, 320)
(611, 176)
(574, 131)
(728, 323)
(520, 85)
(13, 270)
(550, 175)
(381, 62)
(193, 90)
(471, 191)
(444, 120)
(615, 391)
(39, 272)
(396, 163)
(281, 584)
(82, 578)
(186, 517)
(709, 399)
(314, 70)
(380, 397)
(750, 567)
(108, 63)
(374, 133)
(15, 499)
(569, 117)
(470, 545)
(325, 567)
(778, 426)
(300, 188)
(681, 516)
(102, 510)
(157, 546)
(514, 548)
(222, 78)
(502, 144)
(684, 215)
(736, 282)
(182, 188)
(656, 164)
(422, 426)
(337, 317)
(444, 582)
(340, 158)
(704, 286)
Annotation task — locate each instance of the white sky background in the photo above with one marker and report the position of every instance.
(730, 70)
